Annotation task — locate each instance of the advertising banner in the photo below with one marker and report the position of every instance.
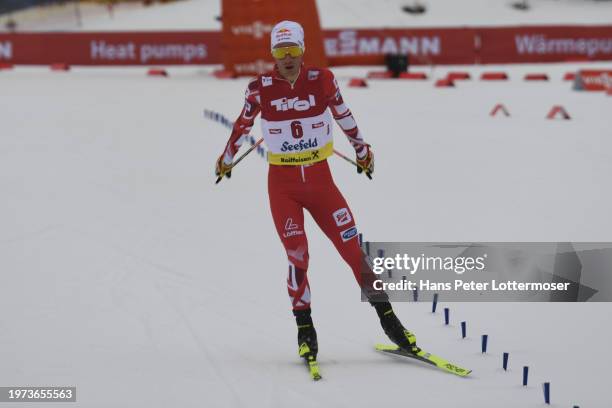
(244, 45)
(424, 46)
(513, 45)
(112, 48)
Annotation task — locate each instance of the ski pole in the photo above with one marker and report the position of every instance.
(353, 162)
(240, 158)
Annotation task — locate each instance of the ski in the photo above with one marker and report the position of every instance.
(426, 358)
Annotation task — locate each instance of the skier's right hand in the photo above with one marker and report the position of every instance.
(366, 163)
(222, 169)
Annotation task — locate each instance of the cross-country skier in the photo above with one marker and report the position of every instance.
(297, 127)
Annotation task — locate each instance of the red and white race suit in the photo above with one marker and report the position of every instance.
(297, 130)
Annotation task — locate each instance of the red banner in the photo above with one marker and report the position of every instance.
(342, 47)
(424, 46)
(112, 48)
(543, 44)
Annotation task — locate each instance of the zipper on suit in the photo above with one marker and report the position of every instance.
(303, 175)
(292, 84)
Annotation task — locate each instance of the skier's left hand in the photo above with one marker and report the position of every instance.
(366, 164)
(222, 169)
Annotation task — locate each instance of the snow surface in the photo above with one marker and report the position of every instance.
(126, 272)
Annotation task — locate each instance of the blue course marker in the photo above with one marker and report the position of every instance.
(415, 295)
(525, 375)
(446, 315)
(434, 303)
(505, 361)
(485, 337)
(547, 392)
(463, 330)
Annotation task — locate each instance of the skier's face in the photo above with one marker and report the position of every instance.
(287, 60)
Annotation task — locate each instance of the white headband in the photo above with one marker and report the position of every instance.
(287, 31)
